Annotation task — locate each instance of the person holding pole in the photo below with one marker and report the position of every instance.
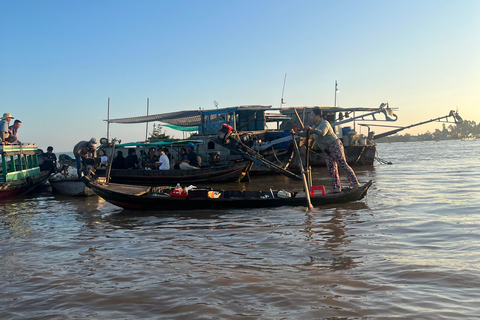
(330, 144)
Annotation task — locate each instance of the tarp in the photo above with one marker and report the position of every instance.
(158, 143)
(179, 118)
(179, 128)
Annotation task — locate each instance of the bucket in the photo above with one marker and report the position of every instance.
(313, 188)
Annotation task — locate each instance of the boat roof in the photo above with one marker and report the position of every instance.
(181, 120)
(155, 143)
(14, 149)
(188, 118)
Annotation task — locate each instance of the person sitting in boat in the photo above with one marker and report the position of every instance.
(119, 161)
(131, 161)
(183, 158)
(193, 160)
(13, 130)
(82, 151)
(149, 160)
(163, 163)
(330, 144)
(5, 137)
(49, 161)
(103, 158)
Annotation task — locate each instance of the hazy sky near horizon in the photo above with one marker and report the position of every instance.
(60, 61)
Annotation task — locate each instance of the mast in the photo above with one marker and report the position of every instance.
(108, 121)
(146, 124)
(283, 90)
(336, 90)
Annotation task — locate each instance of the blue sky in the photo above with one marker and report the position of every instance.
(61, 60)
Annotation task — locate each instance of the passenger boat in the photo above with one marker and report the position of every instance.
(163, 199)
(20, 170)
(220, 173)
(210, 171)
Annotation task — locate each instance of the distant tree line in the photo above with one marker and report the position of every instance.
(465, 129)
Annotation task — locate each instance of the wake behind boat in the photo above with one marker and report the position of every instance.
(163, 198)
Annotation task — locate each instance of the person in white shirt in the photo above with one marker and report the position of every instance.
(163, 163)
(103, 158)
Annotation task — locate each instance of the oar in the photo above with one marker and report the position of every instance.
(305, 183)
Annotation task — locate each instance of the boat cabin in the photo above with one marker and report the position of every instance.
(18, 162)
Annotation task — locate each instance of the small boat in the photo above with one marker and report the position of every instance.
(220, 173)
(20, 172)
(165, 199)
(71, 187)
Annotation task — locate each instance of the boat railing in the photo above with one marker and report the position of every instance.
(19, 161)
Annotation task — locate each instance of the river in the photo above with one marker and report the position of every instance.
(409, 250)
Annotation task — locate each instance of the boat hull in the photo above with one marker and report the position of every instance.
(140, 198)
(223, 173)
(16, 188)
(74, 188)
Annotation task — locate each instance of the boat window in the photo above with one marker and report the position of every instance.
(211, 145)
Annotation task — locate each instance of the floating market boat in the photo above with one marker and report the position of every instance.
(20, 170)
(166, 199)
(209, 172)
(256, 126)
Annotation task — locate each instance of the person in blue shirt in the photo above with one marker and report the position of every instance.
(5, 137)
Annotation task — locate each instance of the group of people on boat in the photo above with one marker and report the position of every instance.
(8, 133)
(163, 160)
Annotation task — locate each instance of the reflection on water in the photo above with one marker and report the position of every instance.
(409, 250)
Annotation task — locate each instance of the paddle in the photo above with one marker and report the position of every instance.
(305, 183)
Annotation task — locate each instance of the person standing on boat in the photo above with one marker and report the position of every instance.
(5, 136)
(163, 163)
(330, 144)
(82, 151)
(193, 160)
(149, 160)
(49, 160)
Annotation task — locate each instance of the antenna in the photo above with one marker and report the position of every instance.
(336, 90)
(283, 90)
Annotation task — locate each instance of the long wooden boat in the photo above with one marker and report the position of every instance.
(220, 173)
(72, 187)
(159, 198)
(20, 172)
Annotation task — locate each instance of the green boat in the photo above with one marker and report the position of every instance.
(20, 171)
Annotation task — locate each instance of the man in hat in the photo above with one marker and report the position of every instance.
(82, 150)
(163, 163)
(193, 159)
(4, 133)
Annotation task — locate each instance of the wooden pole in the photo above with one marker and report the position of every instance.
(108, 121)
(107, 179)
(146, 125)
(305, 183)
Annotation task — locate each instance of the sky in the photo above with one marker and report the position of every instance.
(60, 61)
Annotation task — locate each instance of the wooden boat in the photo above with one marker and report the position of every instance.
(20, 170)
(160, 199)
(220, 173)
(72, 187)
